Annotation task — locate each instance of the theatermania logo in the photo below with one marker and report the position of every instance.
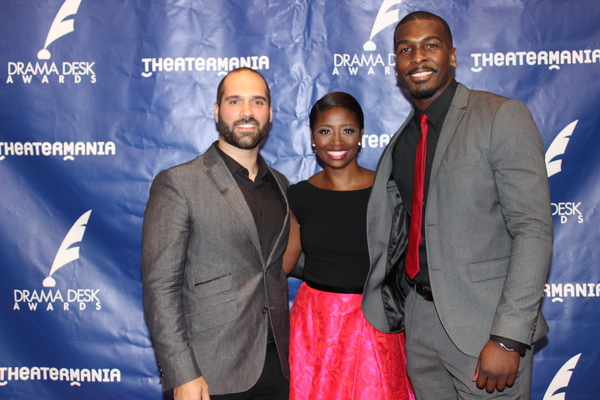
(553, 59)
(45, 70)
(48, 297)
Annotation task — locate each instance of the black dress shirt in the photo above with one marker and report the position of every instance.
(263, 198)
(403, 157)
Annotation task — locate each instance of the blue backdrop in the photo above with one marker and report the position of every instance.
(96, 97)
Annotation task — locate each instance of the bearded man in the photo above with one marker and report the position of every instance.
(215, 228)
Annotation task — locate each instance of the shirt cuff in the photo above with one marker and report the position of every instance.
(519, 347)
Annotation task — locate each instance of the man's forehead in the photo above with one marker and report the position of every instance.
(244, 83)
(421, 29)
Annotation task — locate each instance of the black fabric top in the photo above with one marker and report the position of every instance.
(333, 232)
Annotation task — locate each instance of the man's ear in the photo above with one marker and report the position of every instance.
(216, 107)
(453, 57)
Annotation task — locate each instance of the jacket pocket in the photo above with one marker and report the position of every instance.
(213, 286)
(212, 317)
(492, 269)
(459, 162)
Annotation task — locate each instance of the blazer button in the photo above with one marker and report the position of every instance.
(264, 310)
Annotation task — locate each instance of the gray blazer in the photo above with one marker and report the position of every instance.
(208, 291)
(488, 223)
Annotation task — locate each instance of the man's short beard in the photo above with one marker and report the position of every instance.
(245, 142)
(421, 94)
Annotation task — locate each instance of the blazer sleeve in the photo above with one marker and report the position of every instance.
(165, 235)
(517, 159)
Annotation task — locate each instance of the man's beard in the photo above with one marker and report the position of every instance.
(421, 94)
(243, 141)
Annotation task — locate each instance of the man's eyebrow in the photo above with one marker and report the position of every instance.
(398, 43)
(238, 96)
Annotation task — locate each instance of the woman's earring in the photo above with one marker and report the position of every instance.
(314, 147)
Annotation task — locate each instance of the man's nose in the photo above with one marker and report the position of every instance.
(419, 55)
(247, 110)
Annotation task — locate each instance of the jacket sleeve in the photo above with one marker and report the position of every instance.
(165, 238)
(517, 159)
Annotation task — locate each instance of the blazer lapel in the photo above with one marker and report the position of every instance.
(457, 110)
(281, 241)
(219, 174)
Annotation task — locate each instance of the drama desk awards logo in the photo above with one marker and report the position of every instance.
(370, 62)
(69, 299)
(566, 210)
(49, 71)
(556, 389)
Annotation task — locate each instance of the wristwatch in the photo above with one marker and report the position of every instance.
(505, 347)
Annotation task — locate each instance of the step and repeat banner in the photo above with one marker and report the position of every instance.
(97, 97)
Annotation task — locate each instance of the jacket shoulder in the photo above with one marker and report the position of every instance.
(482, 98)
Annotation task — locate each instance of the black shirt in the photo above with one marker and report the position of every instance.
(404, 161)
(264, 199)
(333, 233)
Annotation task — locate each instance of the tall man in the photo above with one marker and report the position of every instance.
(215, 228)
(480, 232)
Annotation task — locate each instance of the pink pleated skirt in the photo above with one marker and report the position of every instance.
(336, 354)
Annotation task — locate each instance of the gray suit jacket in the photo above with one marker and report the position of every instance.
(488, 223)
(208, 291)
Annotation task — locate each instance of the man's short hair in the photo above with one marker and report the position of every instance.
(220, 89)
(417, 15)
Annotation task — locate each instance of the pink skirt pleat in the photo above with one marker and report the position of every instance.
(336, 354)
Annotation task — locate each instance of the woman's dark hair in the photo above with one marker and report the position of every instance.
(336, 100)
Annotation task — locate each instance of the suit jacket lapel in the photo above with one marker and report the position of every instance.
(283, 233)
(217, 171)
(457, 110)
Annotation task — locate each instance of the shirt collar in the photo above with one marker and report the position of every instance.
(235, 167)
(441, 104)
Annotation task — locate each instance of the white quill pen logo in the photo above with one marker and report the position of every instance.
(558, 148)
(385, 18)
(60, 26)
(561, 380)
(67, 252)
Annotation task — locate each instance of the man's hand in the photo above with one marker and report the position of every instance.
(496, 367)
(192, 390)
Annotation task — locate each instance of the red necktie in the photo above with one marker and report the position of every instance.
(416, 218)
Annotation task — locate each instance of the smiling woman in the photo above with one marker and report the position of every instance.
(334, 352)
